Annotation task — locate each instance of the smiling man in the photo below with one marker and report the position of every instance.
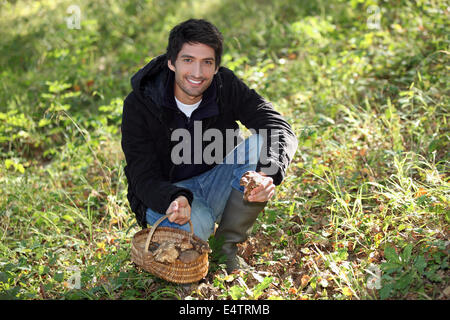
(186, 90)
(194, 70)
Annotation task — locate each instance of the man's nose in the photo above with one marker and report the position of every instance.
(197, 70)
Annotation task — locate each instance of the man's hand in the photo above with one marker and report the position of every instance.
(263, 192)
(180, 209)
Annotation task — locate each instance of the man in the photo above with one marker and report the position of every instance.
(180, 101)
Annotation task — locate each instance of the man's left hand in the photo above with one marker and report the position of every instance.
(180, 210)
(264, 192)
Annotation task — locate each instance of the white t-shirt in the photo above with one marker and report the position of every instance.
(187, 109)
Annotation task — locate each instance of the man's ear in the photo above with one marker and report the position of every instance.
(217, 69)
(170, 65)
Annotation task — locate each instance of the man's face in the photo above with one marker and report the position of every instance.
(194, 70)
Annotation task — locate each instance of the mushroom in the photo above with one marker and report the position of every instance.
(166, 252)
(189, 256)
(185, 244)
(250, 180)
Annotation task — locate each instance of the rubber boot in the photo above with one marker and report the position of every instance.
(235, 226)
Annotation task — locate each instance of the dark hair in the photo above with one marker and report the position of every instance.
(194, 31)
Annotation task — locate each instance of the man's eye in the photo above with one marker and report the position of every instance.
(208, 62)
(187, 60)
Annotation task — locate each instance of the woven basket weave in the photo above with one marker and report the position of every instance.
(177, 272)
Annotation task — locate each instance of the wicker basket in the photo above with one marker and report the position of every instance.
(177, 272)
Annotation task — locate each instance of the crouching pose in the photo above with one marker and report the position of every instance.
(182, 145)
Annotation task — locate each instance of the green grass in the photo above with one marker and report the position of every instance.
(363, 212)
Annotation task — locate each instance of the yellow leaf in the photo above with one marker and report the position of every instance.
(20, 168)
(229, 278)
(101, 245)
(347, 291)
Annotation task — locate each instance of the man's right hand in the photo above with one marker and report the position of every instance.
(180, 209)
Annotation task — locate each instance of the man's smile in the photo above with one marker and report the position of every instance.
(194, 82)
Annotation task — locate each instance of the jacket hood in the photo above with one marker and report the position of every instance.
(150, 81)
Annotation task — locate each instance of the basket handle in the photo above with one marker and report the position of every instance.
(155, 225)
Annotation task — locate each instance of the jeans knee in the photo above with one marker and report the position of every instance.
(253, 148)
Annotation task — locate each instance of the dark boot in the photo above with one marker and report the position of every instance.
(237, 220)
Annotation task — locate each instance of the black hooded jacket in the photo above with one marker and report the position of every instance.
(150, 116)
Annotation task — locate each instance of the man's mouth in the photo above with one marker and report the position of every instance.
(194, 82)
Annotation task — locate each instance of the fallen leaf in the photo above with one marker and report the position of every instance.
(447, 291)
(42, 292)
(304, 281)
(350, 246)
(362, 152)
(420, 192)
(292, 291)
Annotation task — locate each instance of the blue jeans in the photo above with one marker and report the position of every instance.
(212, 188)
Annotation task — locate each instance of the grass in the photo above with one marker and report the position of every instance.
(363, 212)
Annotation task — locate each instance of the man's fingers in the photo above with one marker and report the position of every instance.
(179, 210)
(173, 210)
(263, 192)
(258, 189)
(172, 217)
(267, 182)
(271, 193)
(176, 217)
(173, 207)
(263, 195)
(181, 217)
